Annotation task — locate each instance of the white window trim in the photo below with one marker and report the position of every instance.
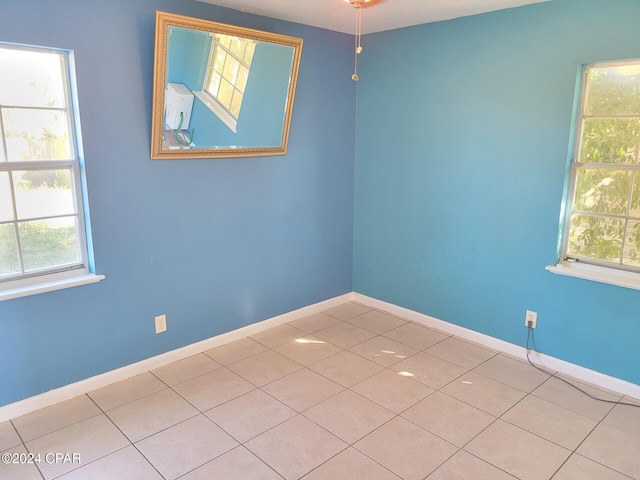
(47, 283)
(81, 274)
(582, 267)
(597, 273)
(218, 110)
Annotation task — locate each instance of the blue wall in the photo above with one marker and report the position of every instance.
(188, 57)
(459, 176)
(463, 130)
(214, 244)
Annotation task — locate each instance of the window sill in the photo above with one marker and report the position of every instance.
(51, 286)
(218, 110)
(596, 273)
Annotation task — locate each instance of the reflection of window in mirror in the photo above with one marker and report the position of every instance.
(237, 86)
(227, 74)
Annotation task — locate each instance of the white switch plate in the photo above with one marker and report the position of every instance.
(161, 323)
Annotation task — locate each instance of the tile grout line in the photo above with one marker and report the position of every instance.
(439, 390)
(131, 444)
(24, 445)
(348, 444)
(101, 412)
(399, 415)
(344, 388)
(377, 334)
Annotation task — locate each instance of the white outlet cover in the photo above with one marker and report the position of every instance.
(161, 323)
(531, 317)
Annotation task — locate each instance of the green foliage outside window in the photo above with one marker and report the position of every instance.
(41, 225)
(43, 244)
(605, 215)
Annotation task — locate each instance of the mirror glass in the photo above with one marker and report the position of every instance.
(221, 90)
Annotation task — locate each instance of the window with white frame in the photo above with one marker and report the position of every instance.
(42, 222)
(227, 75)
(602, 226)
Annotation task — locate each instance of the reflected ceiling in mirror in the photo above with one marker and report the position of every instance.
(221, 90)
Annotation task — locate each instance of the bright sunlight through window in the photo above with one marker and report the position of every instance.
(603, 224)
(228, 72)
(42, 228)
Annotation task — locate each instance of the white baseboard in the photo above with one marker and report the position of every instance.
(545, 361)
(81, 387)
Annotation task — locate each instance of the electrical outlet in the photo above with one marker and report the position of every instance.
(161, 323)
(531, 318)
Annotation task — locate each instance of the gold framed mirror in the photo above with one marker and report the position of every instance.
(221, 90)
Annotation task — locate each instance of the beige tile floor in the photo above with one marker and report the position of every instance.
(350, 393)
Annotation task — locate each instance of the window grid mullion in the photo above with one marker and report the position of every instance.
(630, 196)
(46, 217)
(36, 165)
(599, 214)
(624, 240)
(231, 54)
(611, 116)
(14, 208)
(609, 166)
(4, 142)
(16, 231)
(30, 107)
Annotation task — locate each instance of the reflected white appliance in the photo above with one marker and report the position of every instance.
(179, 103)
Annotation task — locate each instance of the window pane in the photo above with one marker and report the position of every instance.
(6, 205)
(602, 191)
(613, 90)
(218, 60)
(9, 263)
(214, 84)
(231, 69)
(238, 46)
(49, 243)
(31, 79)
(225, 93)
(36, 134)
(43, 193)
(596, 237)
(236, 103)
(634, 211)
(610, 140)
(225, 40)
(248, 54)
(242, 78)
(632, 244)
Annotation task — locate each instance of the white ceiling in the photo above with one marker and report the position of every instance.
(384, 15)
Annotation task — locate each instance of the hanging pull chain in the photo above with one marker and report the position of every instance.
(358, 5)
(358, 49)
